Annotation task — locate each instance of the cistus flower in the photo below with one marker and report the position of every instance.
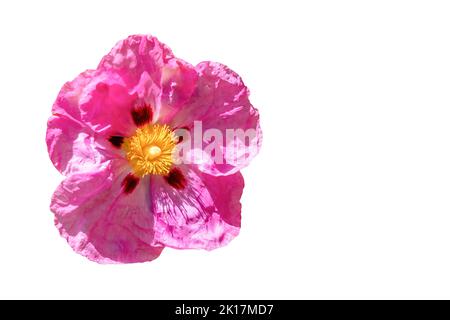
(116, 134)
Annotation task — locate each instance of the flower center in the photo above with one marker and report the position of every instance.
(152, 152)
(150, 149)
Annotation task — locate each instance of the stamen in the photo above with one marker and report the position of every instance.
(149, 150)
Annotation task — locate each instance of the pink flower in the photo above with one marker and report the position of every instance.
(113, 135)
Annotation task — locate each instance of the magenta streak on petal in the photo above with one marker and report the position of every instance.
(205, 214)
(142, 115)
(129, 183)
(176, 179)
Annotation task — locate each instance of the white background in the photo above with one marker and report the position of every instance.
(350, 195)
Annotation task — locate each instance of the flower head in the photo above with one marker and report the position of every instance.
(151, 149)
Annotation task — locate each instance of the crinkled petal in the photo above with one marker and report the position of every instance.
(72, 147)
(102, 222)
(139, 60)
(86, 112)
(179, 80)
(220, 102)
(107, 105)
(205, 214)
(137, 54)
(157, 76)
(68, 100)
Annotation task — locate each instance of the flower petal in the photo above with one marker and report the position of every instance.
(221, 103)
(205, 213)
(68, 101)
(71, 146)
(157, 76)
(135, 55)
(179, 80)
(102, 222)
(140, 61)
(86, 112)
(106, 106)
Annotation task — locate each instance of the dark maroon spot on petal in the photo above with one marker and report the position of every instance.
(176, 179)
(129, 183)
(142, 115)
(116, 141)
(180, 139)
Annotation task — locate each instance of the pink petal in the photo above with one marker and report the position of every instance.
(150, 70)
(71, 146)
(68, 101)
(179, 80)
(86, 112)
(107, 105)
(139, 60)
(221, 102)
(100, 221)
(205, 214)
(135, 55)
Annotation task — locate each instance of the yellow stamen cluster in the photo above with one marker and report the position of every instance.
(150, 149)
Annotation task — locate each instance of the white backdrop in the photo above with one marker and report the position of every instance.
(349, 197)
